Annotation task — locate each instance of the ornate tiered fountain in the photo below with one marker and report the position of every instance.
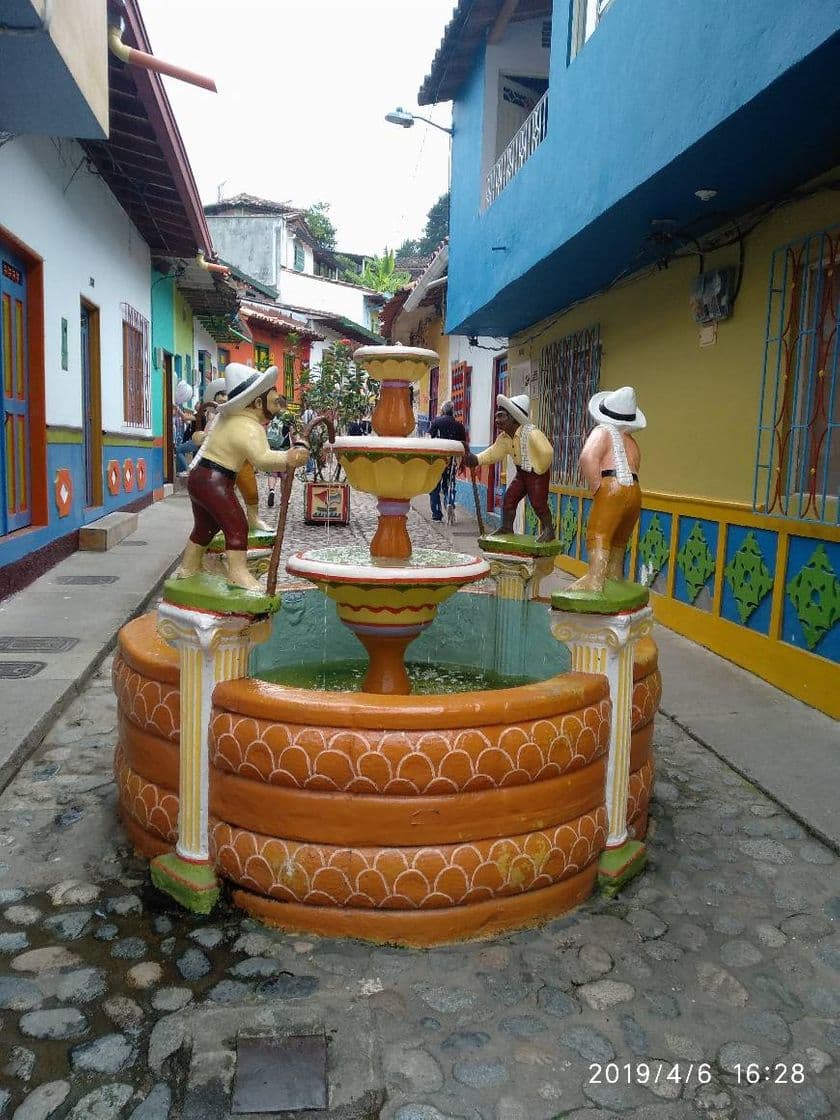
(387, 596)
(389, 813)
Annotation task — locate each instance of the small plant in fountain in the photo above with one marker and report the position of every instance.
(338, 388)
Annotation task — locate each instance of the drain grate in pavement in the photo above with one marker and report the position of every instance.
(280, 1074)
(86, 581)
(133, 542)
(18, 670)
(36, 645)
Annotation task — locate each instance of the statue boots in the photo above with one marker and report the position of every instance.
(191, 560)
(238, 574)
(255, 521)
(547, 533)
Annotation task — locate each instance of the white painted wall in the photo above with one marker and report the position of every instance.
(299, 289)
(203, 340)
(253, 244)
(67, 216)
(483, 402)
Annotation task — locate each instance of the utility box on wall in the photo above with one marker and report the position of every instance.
(713, 296)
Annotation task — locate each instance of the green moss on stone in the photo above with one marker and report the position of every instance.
(206, 592)
(517, 544)
(617, 596)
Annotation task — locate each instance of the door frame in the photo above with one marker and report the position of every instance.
(500, 384)
(168, 447)
(34, 328)
(94, 462)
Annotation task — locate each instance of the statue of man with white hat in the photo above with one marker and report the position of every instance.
(237, 437)
(532, 453)
(609, 462)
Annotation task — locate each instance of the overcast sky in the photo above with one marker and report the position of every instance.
(304, 86)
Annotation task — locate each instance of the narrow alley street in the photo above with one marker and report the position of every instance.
(708, 988)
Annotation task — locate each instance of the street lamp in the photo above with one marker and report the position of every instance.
(405, 119)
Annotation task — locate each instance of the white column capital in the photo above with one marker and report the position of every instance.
(185, 626)
(611, 631)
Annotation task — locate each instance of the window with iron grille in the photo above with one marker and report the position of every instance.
(300, 257)
(289, 376)
(262, 356)
(136, 389)
(797, 472)
(462, 392)
(568, 374)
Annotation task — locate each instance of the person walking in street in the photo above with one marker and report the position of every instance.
(446, 426)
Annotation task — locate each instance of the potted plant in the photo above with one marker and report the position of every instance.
(339, 389)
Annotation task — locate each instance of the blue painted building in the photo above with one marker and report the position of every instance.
(645, 192)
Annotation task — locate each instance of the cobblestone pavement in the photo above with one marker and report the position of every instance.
(717, 967)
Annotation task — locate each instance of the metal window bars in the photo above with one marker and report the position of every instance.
(797, 466)
(568, 374)
(136, 385)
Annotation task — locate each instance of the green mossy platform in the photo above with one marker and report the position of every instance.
(206, 592)
(617, 597)
(194, 886)
(517, 544)
(257, 538)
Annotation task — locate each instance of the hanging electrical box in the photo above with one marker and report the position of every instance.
(713, 295)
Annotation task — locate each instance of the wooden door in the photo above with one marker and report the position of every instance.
(91, 405)
(15, 464)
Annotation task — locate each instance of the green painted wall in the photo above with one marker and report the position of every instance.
(163, 337)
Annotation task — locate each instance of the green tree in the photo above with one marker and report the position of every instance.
(410, 248)
(382, 275)
(338, 388)
(437, 225)
(318, 220)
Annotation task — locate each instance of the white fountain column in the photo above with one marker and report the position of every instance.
(605, 643)
(212, 648)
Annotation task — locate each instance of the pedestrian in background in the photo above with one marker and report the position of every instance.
(446, 426)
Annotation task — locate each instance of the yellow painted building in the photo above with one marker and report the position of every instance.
(739, 534)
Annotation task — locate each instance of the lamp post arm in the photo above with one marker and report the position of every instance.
(434, 124)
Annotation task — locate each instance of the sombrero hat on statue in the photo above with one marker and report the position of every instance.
(244, 384)
(618, 407)
(217, 385)
(517, 407)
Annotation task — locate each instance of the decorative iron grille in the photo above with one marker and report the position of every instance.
(797, 471)
(462, 392)
(136, 388)
(523, 145)
(568, 374)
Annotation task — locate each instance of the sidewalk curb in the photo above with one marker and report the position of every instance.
(30, 743)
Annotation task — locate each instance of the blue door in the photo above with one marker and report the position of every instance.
(16, 503)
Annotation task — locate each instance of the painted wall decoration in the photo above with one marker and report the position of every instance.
(113, 476)
(63, 490)
(140, 474)
(128, 476)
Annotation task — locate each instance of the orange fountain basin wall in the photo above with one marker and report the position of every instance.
(408, 819)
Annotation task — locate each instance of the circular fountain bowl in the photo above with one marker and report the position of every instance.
(406, 593)
(414, 820)
(400, 468)
(396, 363)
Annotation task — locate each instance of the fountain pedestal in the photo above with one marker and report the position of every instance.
(605, 643)
(211, 648)
(517, 565)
